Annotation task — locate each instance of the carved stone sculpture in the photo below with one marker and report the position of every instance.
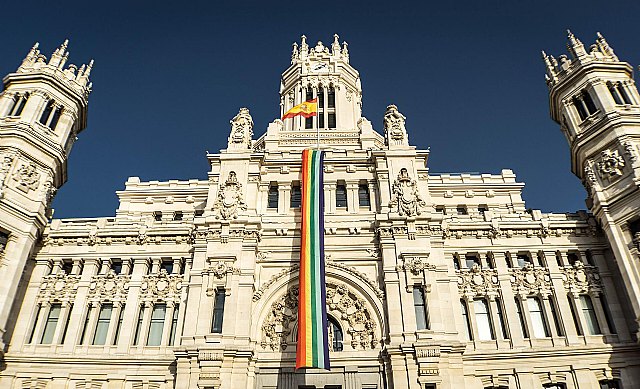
(27, 178)
(241, 130)
(405, 195)
(478, 282)
(343, 304)
(581, 279)
(229, 200)
(530, 280)
(611, 163)
(48, 191)
(395, 132)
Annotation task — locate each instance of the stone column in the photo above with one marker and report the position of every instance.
(77, 266)
(353, 205)
(65, 311)
(91, 324)
(330, 198)
(574, 300)
(373, 199)
(471, 310)
(497, 324)
(508, 299)
(7, 101)
(600, 316)
(113, 323)
(550, 320)
(168, 319)
(284, 202)
(146, 320)
(45, 307)
(524, 308)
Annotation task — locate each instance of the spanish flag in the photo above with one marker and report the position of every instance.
(307, 109)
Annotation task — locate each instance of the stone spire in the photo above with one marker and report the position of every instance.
(605, 48)
(59, 57)
(575, 46)
(335, 46)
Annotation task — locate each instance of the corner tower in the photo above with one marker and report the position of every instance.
(593, 97)
(43, 106)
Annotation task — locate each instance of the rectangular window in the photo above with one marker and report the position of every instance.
(523, 260)
(157, 216)
(341, 196)
(46, 113)
(308, 123)
(296, 196)
(116, 266)
(51, 323)
(471, 260)
(441, 209)
(574, 315)
(136, 337)
(331, 98)
(177, 215)
(119, 326)
(420, 308)
(104, 318)
(503, 328)
(483, 321)
(589, 314)
(218, 311)
(456, 261)
(35, 324)
(607, 314)
(556, 319)
(174, 324)
(85, 328)
(363, 196)
(466, 319)
(482, 209)
(156, 325)
(331, 120)
(614, 93)
(461, 210)
(55, 118)
(610, 384)
(538, 321)
(67, 267)
(167, 265)
(272, 197)
(523, 325)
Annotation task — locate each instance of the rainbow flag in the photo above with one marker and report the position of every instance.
(307, 109)
(313, 346)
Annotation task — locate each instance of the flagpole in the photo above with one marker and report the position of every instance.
(317, 126)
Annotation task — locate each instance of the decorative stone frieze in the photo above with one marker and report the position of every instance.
(61, 286)
(478, 282)
(530, 280)
(111, 286)
(229, 200)
(161, 286)
(415, 264)
(581, 279)
(611, 163)
(5, 166)
(343, 304)
(220, 269)
(94, 239)
(405, 195)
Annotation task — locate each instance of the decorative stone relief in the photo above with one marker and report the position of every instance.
(5, 166)
(416, 265)
(241, 130)
(162, 285)
(581, 279)
(530, 280)
(229, 200)
(27, 177)
(48, 191)
(395, 133)
(111, 285)
(342, 303)
(59, 286)
(631, 151)
(611, 163)
(478, 282)
(220, 269)
(405, 195)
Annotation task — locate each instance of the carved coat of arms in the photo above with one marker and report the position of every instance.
(229, 200)
(405, 195)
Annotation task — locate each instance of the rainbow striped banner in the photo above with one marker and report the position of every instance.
(313, 346)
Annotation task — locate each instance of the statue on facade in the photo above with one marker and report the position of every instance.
(395, 132)
(241, 130)
(405, 195)
(229, 200)
(5, 166)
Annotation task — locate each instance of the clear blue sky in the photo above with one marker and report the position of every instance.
(170, 75)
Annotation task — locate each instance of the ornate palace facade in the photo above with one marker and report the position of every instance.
(433, 281)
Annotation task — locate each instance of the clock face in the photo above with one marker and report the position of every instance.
(319, 67)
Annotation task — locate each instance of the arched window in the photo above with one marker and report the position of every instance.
(18, 105)
(336, 338)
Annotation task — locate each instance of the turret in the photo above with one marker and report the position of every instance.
(592, 95)
(43, 106)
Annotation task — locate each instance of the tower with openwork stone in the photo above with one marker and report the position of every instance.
(592, 95)
(43, 107)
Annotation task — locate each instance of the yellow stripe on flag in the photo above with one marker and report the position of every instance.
(307, 109)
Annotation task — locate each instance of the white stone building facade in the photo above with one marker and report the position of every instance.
(433, 281)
